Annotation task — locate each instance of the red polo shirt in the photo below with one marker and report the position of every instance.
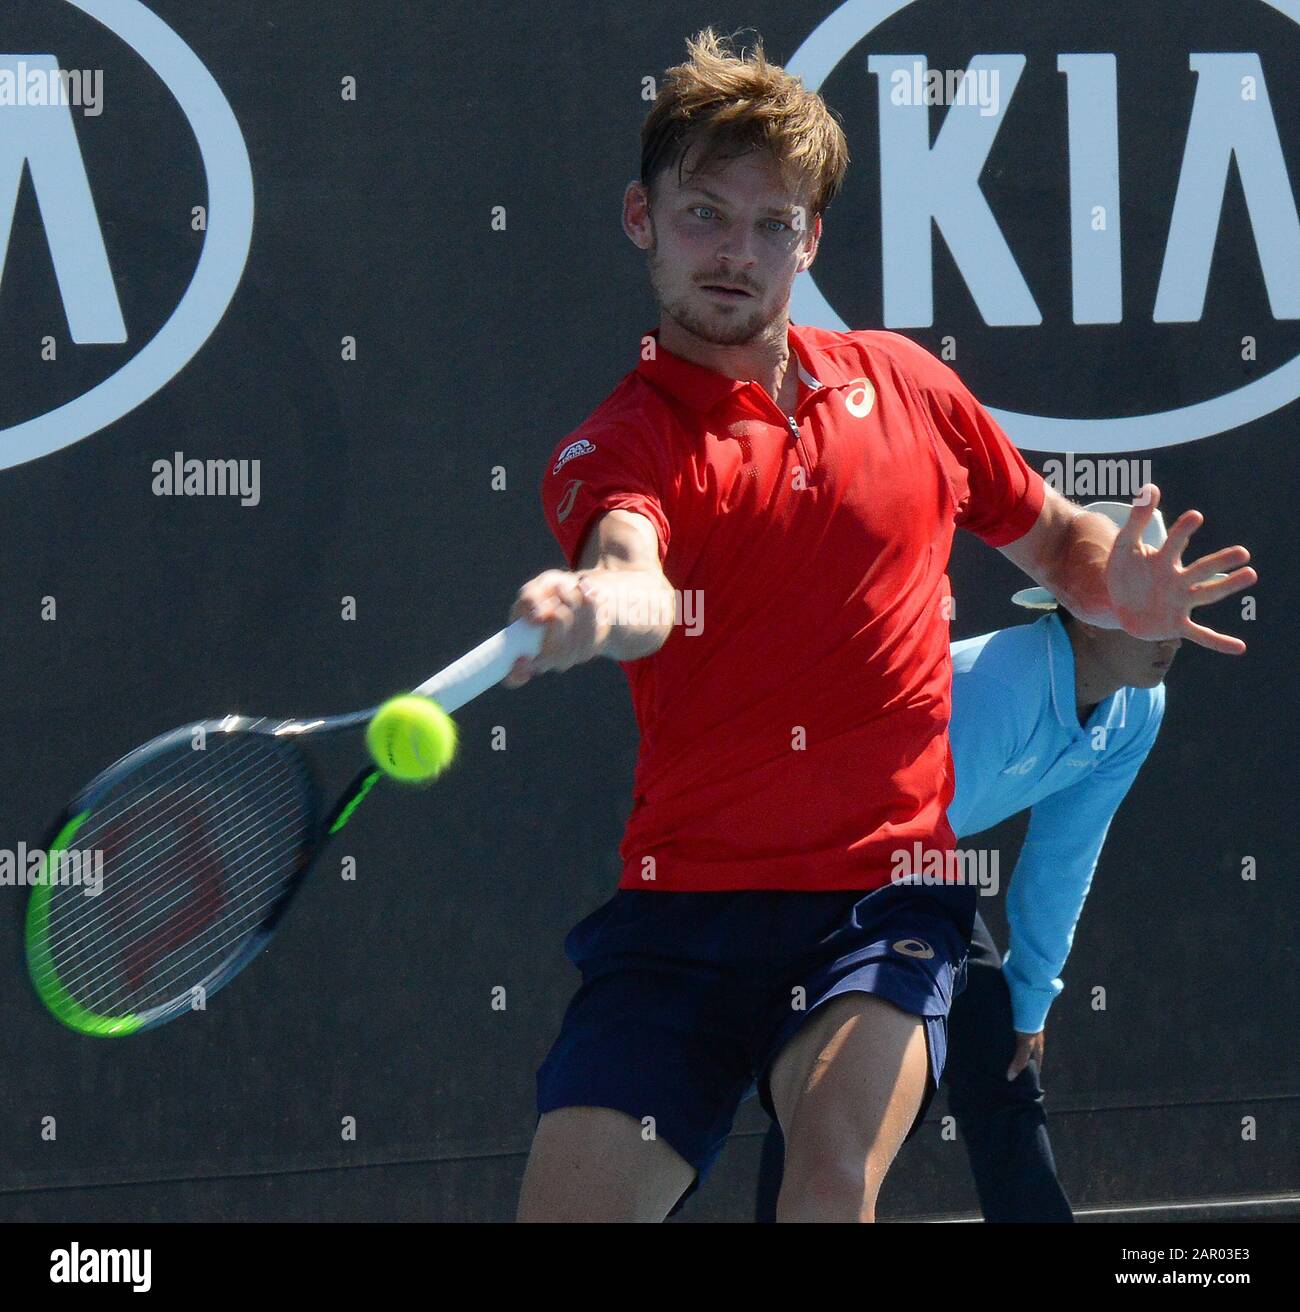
(794, 731)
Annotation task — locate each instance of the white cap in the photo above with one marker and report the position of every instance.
(1154, 535)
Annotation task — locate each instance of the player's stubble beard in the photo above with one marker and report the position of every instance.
(720, 332)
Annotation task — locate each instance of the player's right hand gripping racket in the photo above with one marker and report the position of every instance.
(205, 834)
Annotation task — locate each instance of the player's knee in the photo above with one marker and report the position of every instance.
(825, 1191)
(595, 1164)
(825, 1185)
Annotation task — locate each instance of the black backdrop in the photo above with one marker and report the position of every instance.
(477, 349)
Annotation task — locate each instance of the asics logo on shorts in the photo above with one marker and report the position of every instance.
(913, 947)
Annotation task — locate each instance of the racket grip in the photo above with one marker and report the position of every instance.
(482, 668)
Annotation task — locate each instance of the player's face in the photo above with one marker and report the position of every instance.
(724, 248)
(1135, 662)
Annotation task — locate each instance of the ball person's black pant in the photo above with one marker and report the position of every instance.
(1002, 1121)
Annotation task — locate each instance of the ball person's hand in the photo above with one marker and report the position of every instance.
(1029, 1047)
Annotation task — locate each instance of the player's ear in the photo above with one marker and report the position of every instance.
(637, 222)
(811, 239)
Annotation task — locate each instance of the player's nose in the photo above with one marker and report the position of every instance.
(737, 248)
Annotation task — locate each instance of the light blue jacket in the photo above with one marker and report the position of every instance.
(1017, 743)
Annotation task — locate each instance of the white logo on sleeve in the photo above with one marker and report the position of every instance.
(572, 452)
(1022, 767)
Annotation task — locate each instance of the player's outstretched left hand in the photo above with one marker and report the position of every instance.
(1153, 592)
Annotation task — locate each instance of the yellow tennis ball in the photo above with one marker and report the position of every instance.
(411, 738)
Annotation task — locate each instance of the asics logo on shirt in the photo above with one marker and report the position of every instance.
(859, 400)
(563, 510)
(1022, 767)
(571, 452)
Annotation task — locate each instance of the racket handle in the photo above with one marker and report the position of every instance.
(482, 668)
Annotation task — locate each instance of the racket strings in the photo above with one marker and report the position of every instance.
(167, 926)
(182, 914)
(166, 803)
(128, 932)
(168, 916)
(153, 869)
(197, 847)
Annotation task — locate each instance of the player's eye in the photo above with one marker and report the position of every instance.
(776, 225)
(705, 210)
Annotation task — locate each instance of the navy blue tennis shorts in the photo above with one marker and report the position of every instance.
(688, 998)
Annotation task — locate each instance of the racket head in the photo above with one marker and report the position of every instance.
(196, 842)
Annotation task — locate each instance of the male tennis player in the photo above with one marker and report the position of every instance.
(1054, 717)
(805, 485)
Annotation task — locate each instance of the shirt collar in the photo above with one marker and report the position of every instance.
(702, 388)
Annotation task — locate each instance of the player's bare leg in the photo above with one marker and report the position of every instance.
(846, 1090)
(595, 1164)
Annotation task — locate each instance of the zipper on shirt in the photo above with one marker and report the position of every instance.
(792, 424)
(798, 438)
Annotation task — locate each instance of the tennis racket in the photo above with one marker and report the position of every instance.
(202, 837)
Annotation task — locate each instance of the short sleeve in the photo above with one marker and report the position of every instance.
(598, 469)
(1002, 497)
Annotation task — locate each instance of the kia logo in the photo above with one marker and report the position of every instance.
(927, 185)
(43, 137)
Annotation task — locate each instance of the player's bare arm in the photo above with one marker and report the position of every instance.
(1110, 578)
(616, 604)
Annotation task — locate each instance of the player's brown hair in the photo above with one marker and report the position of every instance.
(731, 104)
